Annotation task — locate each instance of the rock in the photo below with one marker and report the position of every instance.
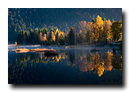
(94, 50)
(50, 53)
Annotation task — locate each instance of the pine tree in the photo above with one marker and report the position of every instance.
(35, 35)
(71, 37)
(93, 20)
(57, 38)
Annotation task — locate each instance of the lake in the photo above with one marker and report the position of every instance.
(72, 65)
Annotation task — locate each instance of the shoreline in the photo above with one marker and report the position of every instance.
(63, 45)
(22, 45)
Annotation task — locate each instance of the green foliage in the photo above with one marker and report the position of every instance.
(103, 19)
(116, 30)
(55, 29)
(35, 35)
(113, 20)
(21, 37)
(57, 38)
(51, 37)
(88, 36)
(71, 37)
(92, 32)
(27, 18)
(48, 43)
(62, 41)
(44, 30)
(93, 20)
(52, 30)
(117, 62)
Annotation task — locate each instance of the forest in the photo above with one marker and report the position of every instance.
(64, 26)
(99, 32)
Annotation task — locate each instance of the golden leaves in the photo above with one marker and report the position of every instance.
(42, 38)
(83, 26)
(15, 43)
(57, 31)
(97, 29)
(53, 36)
(100, 62)
(61, 34)
(120, 39)
(98, 23)
(80, 32)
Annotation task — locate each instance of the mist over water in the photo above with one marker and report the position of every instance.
(64, 45)
(77, 65)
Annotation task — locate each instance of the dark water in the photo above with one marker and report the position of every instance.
(71, 66)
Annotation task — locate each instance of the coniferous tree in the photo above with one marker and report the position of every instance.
(62, 39)
(93, 20)
(71, 37)
(31, 36)
(57, 38)
(103, 19)
(35, 35)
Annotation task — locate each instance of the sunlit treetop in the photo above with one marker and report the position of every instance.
(99, 22)
(61, 33)
(57, 31)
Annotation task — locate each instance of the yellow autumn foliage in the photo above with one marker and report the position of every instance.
(15, 43)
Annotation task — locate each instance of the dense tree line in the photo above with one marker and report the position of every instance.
(101, 31)
(41, 36)
(45, 37)
(27, 18)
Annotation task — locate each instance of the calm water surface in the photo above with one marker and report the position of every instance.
(74, 65)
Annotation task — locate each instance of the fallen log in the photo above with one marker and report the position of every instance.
(41, 50)
(22, 50)
(47, 51)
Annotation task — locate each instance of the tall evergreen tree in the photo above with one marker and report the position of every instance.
(31, 36)
(57, 38)
(93, 20)
(103, 19)
(71, 37)
(35, 35)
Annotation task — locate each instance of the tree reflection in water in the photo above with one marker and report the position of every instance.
(100, 62)
(72, 56)
(96, 62)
